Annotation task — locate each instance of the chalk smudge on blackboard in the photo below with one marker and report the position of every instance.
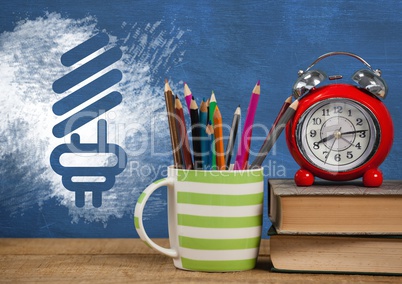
(30, 63)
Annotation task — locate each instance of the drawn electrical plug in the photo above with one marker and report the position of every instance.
(76, 178)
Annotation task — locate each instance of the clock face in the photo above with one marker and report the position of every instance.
(337, 134)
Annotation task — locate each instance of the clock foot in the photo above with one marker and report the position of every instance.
(304, 178)
(372, 178)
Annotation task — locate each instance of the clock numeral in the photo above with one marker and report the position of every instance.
(349, 112)
(337, 157)
(338, 109)
(316, 146)
(325, 112)
(359, 121)
(313, 133)
(358, 146)
(317, 121)
(325, 153)
(362, 134)
(349, 155)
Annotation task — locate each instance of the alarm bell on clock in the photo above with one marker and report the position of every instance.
(340, 131)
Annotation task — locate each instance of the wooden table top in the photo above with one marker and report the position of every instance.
(130, 260)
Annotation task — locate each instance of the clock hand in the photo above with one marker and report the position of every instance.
(332, 146)
(352, 132)
(325, 139)
(348, 141)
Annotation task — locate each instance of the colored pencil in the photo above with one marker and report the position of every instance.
(185, 146)
(174, 137)
(245, 141)
(284, 107)
(196, 134)
(187, 96)
(232, 136)
(269, 143)
(211, 149)
(212, 106)
(205, 140)
(207, 104)
(218, 135)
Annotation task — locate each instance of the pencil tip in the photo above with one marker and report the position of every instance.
(212, 99)
(177, 103)
(210, 129)
(187, 91)
(257, 88)
(295, 104)
(167, 86)
(193, 104)
(203, 106)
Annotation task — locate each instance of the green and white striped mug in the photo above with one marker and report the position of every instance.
(214, 217)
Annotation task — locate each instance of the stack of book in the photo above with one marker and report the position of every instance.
(335, 228)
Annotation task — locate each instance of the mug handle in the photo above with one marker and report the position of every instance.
(139, 208)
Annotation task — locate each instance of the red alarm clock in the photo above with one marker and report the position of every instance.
(340, 132)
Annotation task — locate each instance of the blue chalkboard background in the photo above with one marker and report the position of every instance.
(225, 46)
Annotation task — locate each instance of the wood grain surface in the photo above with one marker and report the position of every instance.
(130, 260)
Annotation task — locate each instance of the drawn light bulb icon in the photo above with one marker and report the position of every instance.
(87, 178)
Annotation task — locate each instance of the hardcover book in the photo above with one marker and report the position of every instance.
(335, 208)
(354, 254)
